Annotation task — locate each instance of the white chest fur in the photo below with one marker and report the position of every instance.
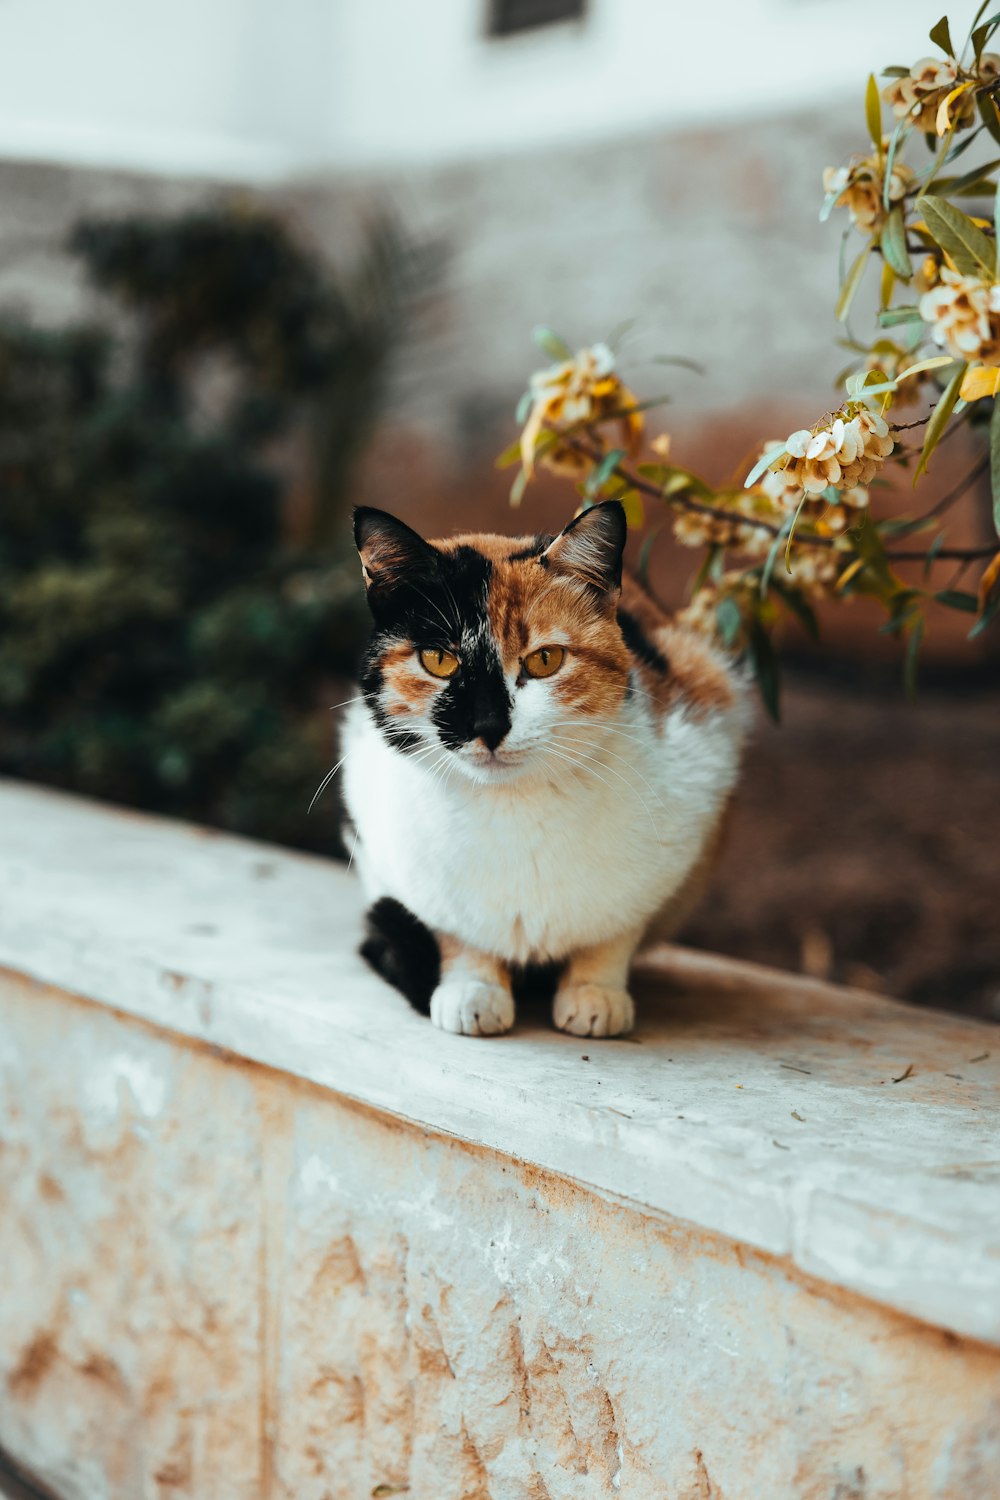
(541, 866)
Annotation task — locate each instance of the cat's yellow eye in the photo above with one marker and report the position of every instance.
(439, 663)
(544, 661)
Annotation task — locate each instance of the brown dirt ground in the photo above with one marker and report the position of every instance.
(865, 844)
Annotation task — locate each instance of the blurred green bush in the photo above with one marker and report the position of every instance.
(176, 598)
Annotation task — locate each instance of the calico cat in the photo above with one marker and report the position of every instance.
(535, 772)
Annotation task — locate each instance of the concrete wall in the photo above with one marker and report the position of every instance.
(220, 1282)
(242, 87)
(268, 1235)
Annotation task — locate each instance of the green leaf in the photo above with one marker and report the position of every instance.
(633, 506)
(523, 408)
(995, 462)
(619, 331)
(988, 115)
(511, 455)
(941, 36)
(895, 72)
(893, 316)
(988, 614)
(971, 250)
(711, 565)
(728, 619)
(960, 147)
(772, 556)
(958, 599)
(978, 16)
(635, 408)
(645, 553)
(996, 231)
(791, 533)
(763, 463)
(800, 607)
(982, 34)
(673, 480)
(678, 359)
(932, 552)
(948, 186)
(909, 526)
(902, 613)
(873, 112)
(939, 419)
(829, 203)
(765, 669)
(550, 343)
(851, 284)
(911, 659)
(602, 472)
(518, 488)
(894, 244)
(897, 138)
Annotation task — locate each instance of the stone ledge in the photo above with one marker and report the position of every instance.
(856, 1137)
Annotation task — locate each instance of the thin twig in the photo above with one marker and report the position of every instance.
(697, 507)
(946, 554)
(961, 488)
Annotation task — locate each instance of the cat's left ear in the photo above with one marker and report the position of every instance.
(591, 546)
(391, 552)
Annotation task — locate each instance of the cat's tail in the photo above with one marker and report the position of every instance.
(402, 950)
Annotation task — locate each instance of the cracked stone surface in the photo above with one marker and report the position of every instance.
(857, 1137)
(265, 1235)
(221, 1281)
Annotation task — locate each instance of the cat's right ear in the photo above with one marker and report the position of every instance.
(392, 554)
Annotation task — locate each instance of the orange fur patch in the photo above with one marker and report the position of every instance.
(409, 686)
(531, 605)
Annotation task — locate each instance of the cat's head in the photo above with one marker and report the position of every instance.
(487, 649)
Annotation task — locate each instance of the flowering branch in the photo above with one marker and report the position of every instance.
(805, 524)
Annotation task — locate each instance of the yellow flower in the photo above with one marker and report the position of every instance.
(893, 362)
(736, 529)
(816, 572)
(927, 85)
(580, 393)
(860, 188)
(840, 452)
(700, 615)
(964, 314)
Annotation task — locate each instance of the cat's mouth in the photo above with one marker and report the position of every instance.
(491, 765)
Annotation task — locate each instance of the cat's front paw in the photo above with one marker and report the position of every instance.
(593, 1010)
(470, 1007)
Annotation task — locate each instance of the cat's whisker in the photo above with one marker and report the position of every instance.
(325, 783)
(573, 737)
(586, 770)
(634, 790)
(358, 698)
(636, 736)
(593, 745)
(451, 626)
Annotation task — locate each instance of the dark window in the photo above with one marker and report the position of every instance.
(509, 16)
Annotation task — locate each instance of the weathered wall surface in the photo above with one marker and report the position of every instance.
(709, 239)
(221, 1282)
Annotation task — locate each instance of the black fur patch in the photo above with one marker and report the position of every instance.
(403, 951)
(445, 607)
(639, 643)
(371, 686)
(534, 984)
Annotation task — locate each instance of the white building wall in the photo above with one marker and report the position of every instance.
(248, 88)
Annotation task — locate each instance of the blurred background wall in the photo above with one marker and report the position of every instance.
(574, 164)
(645, 159)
